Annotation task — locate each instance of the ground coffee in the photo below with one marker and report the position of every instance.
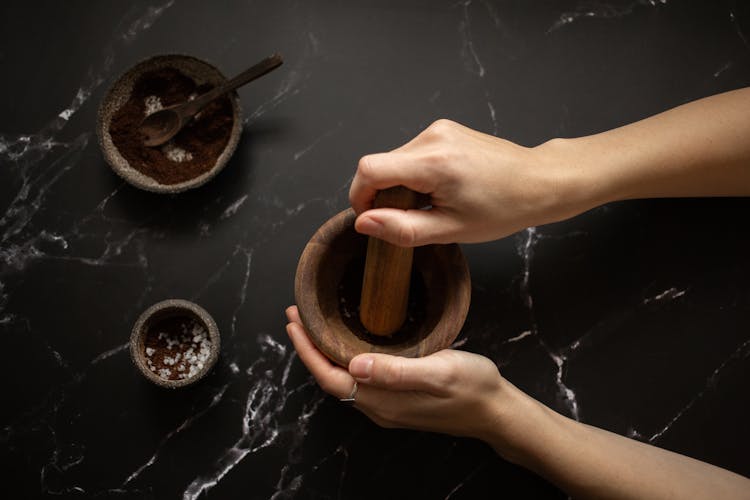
(176, 347)
(190, 153)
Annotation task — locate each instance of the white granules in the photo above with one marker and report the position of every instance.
(172, 152)
(176, 154)
(153, 104)
(178, 350)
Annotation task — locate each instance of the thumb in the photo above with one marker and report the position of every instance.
(393, 372)
(407, 228)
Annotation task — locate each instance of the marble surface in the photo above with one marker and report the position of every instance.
(634, 317)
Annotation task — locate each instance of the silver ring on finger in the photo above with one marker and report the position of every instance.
(352, 396)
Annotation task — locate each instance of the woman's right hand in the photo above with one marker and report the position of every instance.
(480, 188)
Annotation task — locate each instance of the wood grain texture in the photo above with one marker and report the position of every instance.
(334, 247)
(385, 284)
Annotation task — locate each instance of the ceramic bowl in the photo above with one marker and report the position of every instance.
(119, 93)
(165, 310)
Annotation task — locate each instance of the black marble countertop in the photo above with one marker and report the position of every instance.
(634, 317)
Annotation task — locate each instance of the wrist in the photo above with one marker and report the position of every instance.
(576, 179)
(523, 429)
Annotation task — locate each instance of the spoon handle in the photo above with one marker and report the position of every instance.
(265, 66)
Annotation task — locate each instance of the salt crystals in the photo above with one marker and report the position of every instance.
(173, 153)
(176, 154)
(153, 104)
(179, 352)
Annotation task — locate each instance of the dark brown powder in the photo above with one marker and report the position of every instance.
(176, 347)
(204, 137)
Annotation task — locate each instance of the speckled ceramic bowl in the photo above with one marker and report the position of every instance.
(201, 72)
(167, 309)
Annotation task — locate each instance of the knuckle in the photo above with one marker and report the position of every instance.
(324, 386)
(393, 374)
(447, 378)
(327, 387)
(365, 169)
(407, 237)
(439, 158)
(440, 128)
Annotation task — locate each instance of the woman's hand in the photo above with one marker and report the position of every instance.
(480, 188)
(463, 394)
(451, 392)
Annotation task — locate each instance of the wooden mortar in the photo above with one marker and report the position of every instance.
(328, 285)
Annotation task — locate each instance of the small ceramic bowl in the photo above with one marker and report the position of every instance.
(119, 93)
(152, 328)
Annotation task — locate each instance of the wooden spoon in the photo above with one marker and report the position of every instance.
(159, 127)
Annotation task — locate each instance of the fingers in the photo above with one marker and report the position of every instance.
(437, 393)
(384, 170)
(408, 228)
(332, 379)
(292, 314)
(396, 373)
(378, 374)
(419, 164)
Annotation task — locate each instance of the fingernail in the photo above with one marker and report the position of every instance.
(361, 367)
(369, 226)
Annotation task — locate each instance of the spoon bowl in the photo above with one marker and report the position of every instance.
(161, 126)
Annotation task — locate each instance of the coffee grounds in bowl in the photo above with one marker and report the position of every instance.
(176, 347)
(190, 153)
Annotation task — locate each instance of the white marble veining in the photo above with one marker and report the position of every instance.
(267, 397)
(602, 10)
(520, 336)
(111, 352)
(248, 256)
(525, 246)
(738, 29)
(493, 118)
(468, 51)
(186, 424)
(262, 390)
(724, 67)
(465, 480)
(298, 73)
(327, 134)
(668, 294)
(145, 21)
(740, 354)
(233, 207)
(27, 154)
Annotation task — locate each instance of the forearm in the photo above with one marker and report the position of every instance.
(588, 462)
(698, 149)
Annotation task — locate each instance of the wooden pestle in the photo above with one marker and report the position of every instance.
(385, 285)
